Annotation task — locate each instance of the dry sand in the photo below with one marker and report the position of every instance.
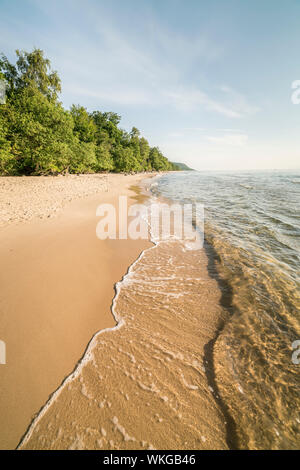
(28, 197)
(57, 284)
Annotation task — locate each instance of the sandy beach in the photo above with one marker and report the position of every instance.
(92, 364)
(57, 284)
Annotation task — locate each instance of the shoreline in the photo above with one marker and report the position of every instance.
(232, 438)
(86, 357)
(55, 428)
(51, 304)
(142, 192)
(51, 427)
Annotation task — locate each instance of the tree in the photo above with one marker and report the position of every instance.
(31, 70)
(135, 133)
(83, 157)
(40, 133)
(105, 161)
(125, 160)
(134, 144)
(144, 152)
(7, 160)
(38, 136)
(114, 118)
(84, 126)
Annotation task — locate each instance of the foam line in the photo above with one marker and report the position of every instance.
(88, 354)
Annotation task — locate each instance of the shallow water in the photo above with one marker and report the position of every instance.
(253, 228)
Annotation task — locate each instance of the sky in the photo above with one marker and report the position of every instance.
(209, 82)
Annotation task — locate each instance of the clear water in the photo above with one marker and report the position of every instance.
(252, 231)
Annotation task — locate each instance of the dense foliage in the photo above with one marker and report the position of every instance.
(38, 136)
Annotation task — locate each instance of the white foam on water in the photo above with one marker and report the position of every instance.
(88, 356)
(128, 278)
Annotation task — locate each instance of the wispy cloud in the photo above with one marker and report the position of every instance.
(181, 74)
(238, 101)
(114, 64)
(187, 100)
(175, 135)
(117, 96)
(235, 140)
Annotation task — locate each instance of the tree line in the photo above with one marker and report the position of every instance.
(39, 137)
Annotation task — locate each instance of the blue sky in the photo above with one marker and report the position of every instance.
(207, 81)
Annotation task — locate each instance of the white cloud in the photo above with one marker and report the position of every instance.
(194, 129)
(114, 65)
(175, 134)
(188, 100)
(116, 96)
(238, 101)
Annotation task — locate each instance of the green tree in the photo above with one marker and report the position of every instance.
(135, 146)
(84, 125)
(32, 69)
(104, 139)
(7, 160)
(145, 152)
(38, 136)
(125, 160)
(83, 158)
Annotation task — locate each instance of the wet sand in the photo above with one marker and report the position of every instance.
(148, 382)
(57, 285)
(145, 384)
